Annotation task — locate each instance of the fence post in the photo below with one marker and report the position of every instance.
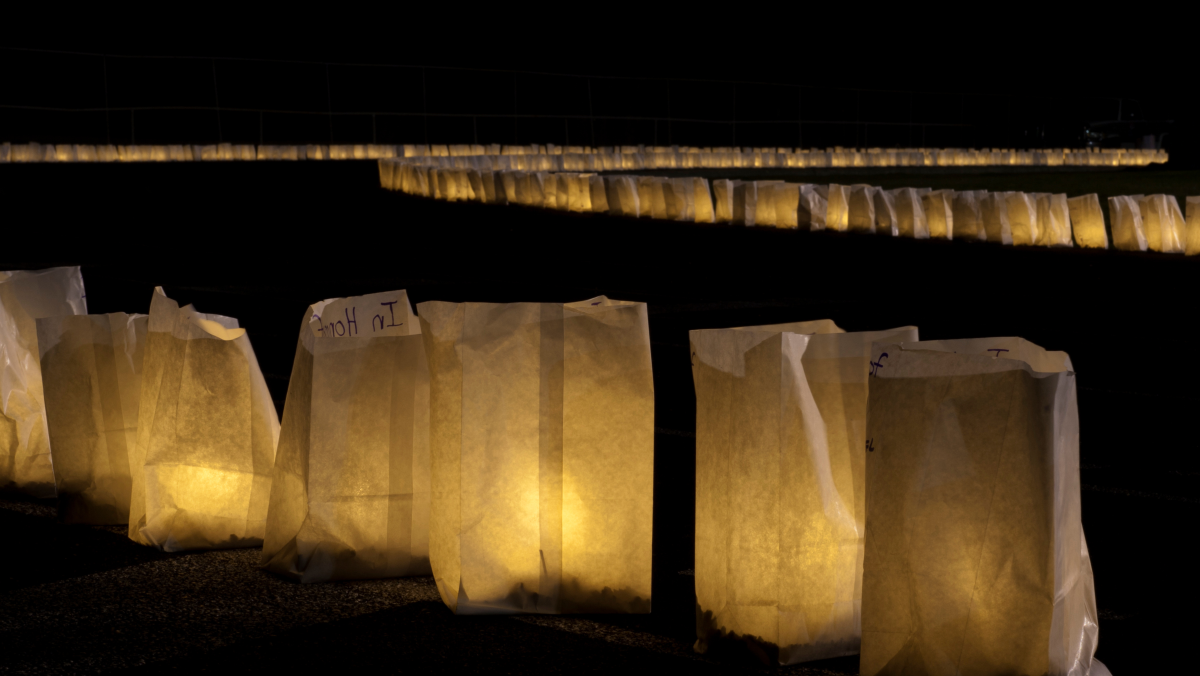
(328, 107)
(591, 116)
(107, 121)
(217, 98)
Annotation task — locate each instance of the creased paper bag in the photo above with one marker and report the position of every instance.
(975, 557)
(780, 460)
(92, 376)
(1125, 217)
(25, 297)
(542, 455)
(207, 430)
(350, 488)
(1087, 221)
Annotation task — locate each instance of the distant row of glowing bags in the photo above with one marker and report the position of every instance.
(1139, 222)
(583, 158)
(512, 447)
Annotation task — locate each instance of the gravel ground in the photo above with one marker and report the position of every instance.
(216, 611)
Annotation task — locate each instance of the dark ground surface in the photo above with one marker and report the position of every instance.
(260, 241)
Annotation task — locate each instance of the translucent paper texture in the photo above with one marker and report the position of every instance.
(350, 490)
(780, 506)
(92, 374)
(207, 430)
(1087, 221)
(25, 297)
(542, 455)
(975, 558)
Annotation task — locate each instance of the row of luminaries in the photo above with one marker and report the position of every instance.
(585, 158)
(914, 502)
(1138, 222)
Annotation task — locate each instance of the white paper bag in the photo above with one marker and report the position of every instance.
(860, 210)
(1163, 223)
(542, 455)
(622, 195)
(92, 377)
(975, 557)
(598, 193)
(837, 211)
(207, 430)
(723, 200)
(703, 201)
(812, 206)
(25, 297)
(1053, 220)
(780, 457)
(1087, 221)
(939, 213)
(887, 222)
(968, 215)
(910, 214)
(1192, 227)
(1022, 217)
(995, 218)
(350, 487)
(1126, 219)
(745, 203)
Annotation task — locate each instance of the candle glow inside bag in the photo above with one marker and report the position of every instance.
(350, 488)
(975, 557)
(542, 455)
(25, 297)
(92, 372)
(207, 430)
(780, 457)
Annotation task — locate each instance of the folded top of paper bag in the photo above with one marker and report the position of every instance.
(1039, 360)
(376, 314)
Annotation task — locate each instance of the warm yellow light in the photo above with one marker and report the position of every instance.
(207, 429)
(25, 297)
(350, 488)
(975, 557)
(780, 456)
(1087, 221)
(92, 379)
(542, 461)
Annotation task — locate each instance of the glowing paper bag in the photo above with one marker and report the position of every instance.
(995, 218)
(745, 202)
(887, 222)
(939, 213)
(1053, 220)
(703, 201)
(622, 195)
(975, 557)
(542, 455)
(910, 214)
(1163, 223)
(723, 200)
(25, 297)
(837, 210)
(780, 458)
(1192, 227)
(860, 212)
(968, 215)
(1126, 219)
(1087, 221)
(1022, 217)
(207, 430)
(812, 206)
(350, 488)
(92, 377)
